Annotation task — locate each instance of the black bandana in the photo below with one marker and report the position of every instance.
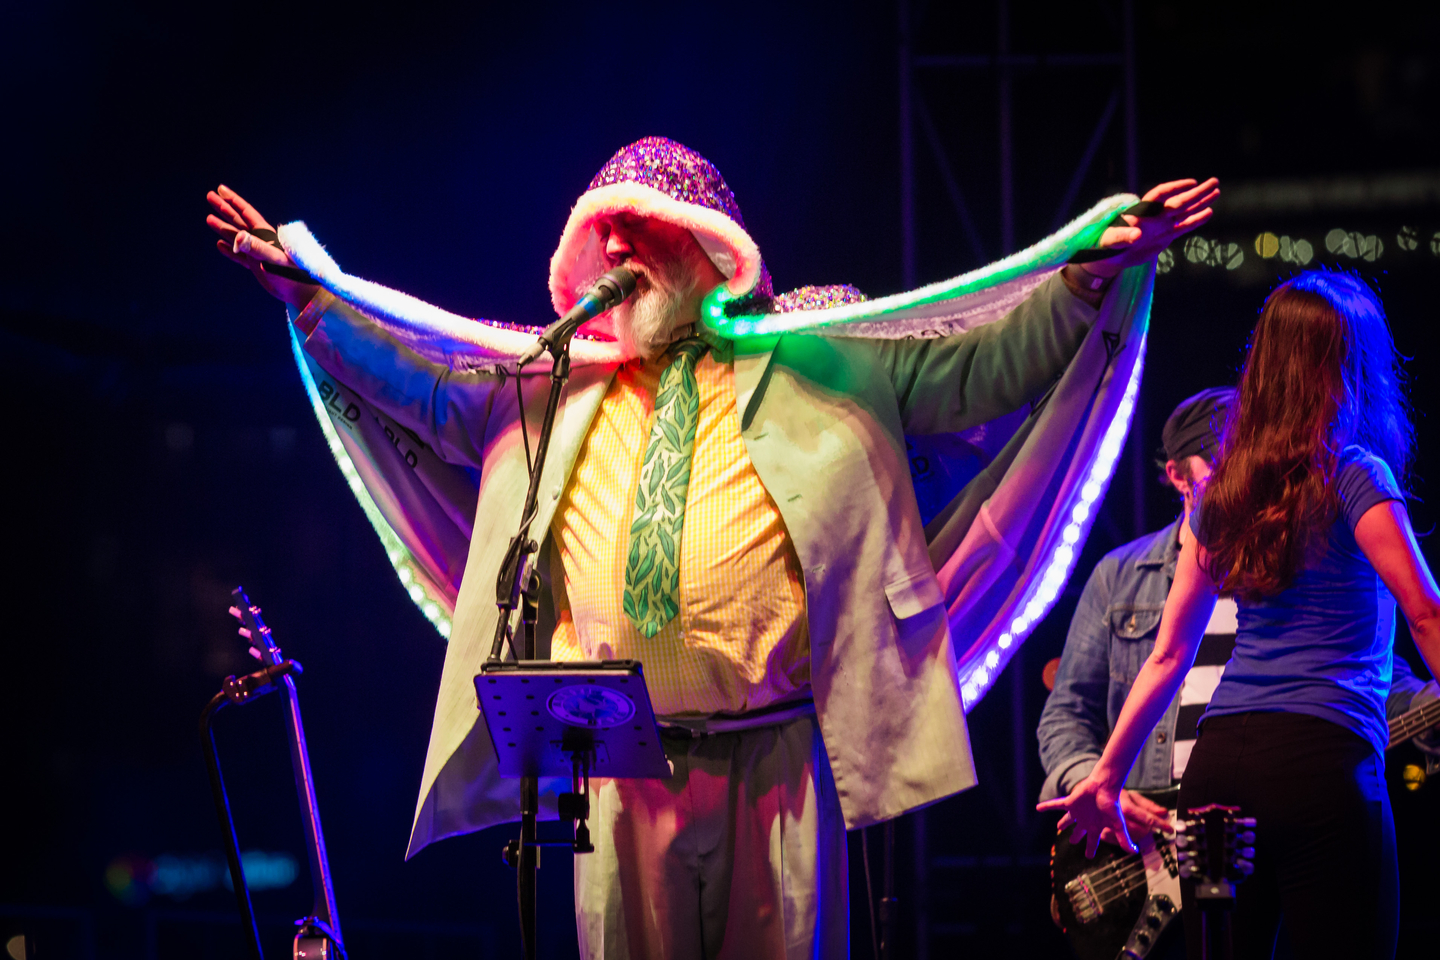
(1194, 428)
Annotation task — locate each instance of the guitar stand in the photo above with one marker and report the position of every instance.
(317, 937)
(1217, 904)
(1216, 851)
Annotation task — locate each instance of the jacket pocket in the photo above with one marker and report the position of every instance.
(1132, 633)
(913, 595)
(1132, 624)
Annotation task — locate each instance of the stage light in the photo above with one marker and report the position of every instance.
(1370, 248)
(1267, 245)
(1047, 590)
(1197, 249)
(1407, 238)
(1435, 243)
(1232, 255)
(1165, 262)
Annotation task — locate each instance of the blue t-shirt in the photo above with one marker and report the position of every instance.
(1323, 645)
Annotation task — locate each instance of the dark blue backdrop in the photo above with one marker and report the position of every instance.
(161, 449)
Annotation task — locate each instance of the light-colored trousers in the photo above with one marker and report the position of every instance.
(741, 854)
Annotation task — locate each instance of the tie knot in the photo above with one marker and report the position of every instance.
(692, 348)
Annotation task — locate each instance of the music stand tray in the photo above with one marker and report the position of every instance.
(541, 713)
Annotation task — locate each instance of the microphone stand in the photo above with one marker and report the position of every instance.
(518, 585)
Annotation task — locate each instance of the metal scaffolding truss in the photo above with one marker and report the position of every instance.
(1114, 92)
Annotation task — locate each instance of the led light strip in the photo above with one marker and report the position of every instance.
(413, 578)
(1042, 594)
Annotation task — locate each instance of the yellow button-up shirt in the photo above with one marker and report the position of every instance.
(740, 641)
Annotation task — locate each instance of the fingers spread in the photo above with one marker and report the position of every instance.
(1194, 195)
(1162, 190)
(250, 216)
(1190, 223)
(221, 227)
(222, 207)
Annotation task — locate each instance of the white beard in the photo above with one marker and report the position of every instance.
(646, 323)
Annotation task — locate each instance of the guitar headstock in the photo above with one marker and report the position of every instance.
(253, 629)
(1216, 845)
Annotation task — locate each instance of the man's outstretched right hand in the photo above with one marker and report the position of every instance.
(233, 220)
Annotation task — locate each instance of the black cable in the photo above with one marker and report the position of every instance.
(524, 430)
(869, 891)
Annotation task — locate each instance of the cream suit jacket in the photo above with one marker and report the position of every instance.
(824, 420)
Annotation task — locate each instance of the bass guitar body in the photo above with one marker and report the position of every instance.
(1117, 905)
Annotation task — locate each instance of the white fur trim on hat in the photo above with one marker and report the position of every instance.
(579, 259)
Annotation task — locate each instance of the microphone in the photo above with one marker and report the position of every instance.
(610, 290)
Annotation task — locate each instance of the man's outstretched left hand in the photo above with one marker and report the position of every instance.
(1187, 204)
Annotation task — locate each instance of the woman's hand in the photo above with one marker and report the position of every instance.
(233, 220)
(1093, 810)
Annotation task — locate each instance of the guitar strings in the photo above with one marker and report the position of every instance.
(1128, 875)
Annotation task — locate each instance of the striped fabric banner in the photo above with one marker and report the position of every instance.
(1200, 683)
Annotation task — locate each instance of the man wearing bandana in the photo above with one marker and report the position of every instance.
(1114, 629)
(737, 515)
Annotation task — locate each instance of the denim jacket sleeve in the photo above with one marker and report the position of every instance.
(1073, 726)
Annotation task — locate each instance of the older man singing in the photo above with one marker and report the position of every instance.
(788, 615)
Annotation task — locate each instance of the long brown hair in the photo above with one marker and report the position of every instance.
(1321, 372)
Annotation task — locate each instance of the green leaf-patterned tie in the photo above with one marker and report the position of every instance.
(652, 565)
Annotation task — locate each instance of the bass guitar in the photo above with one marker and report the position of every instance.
(1117, 905)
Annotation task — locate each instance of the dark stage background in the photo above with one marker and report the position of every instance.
(163, 450)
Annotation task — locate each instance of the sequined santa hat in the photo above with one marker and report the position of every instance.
(657, 177)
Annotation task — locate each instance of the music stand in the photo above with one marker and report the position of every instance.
(556, 719)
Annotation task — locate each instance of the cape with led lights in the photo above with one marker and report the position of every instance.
(1007, 505)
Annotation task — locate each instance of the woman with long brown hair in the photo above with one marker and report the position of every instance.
(1304, 522)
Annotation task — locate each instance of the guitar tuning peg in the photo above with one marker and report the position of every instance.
(1245, 822)
(255, 653)
(1245, 867)
(245, 632)
(235, 612)
(1247, 836)
(1247, 853)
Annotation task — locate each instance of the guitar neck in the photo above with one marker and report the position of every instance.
(1414, 722)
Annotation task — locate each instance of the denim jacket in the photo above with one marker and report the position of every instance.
(1110, 638)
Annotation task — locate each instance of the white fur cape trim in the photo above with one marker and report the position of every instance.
(435, 333)
(578, 260)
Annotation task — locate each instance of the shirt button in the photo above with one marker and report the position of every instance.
(1132, 619)
(555, 494)
(1160, 737)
